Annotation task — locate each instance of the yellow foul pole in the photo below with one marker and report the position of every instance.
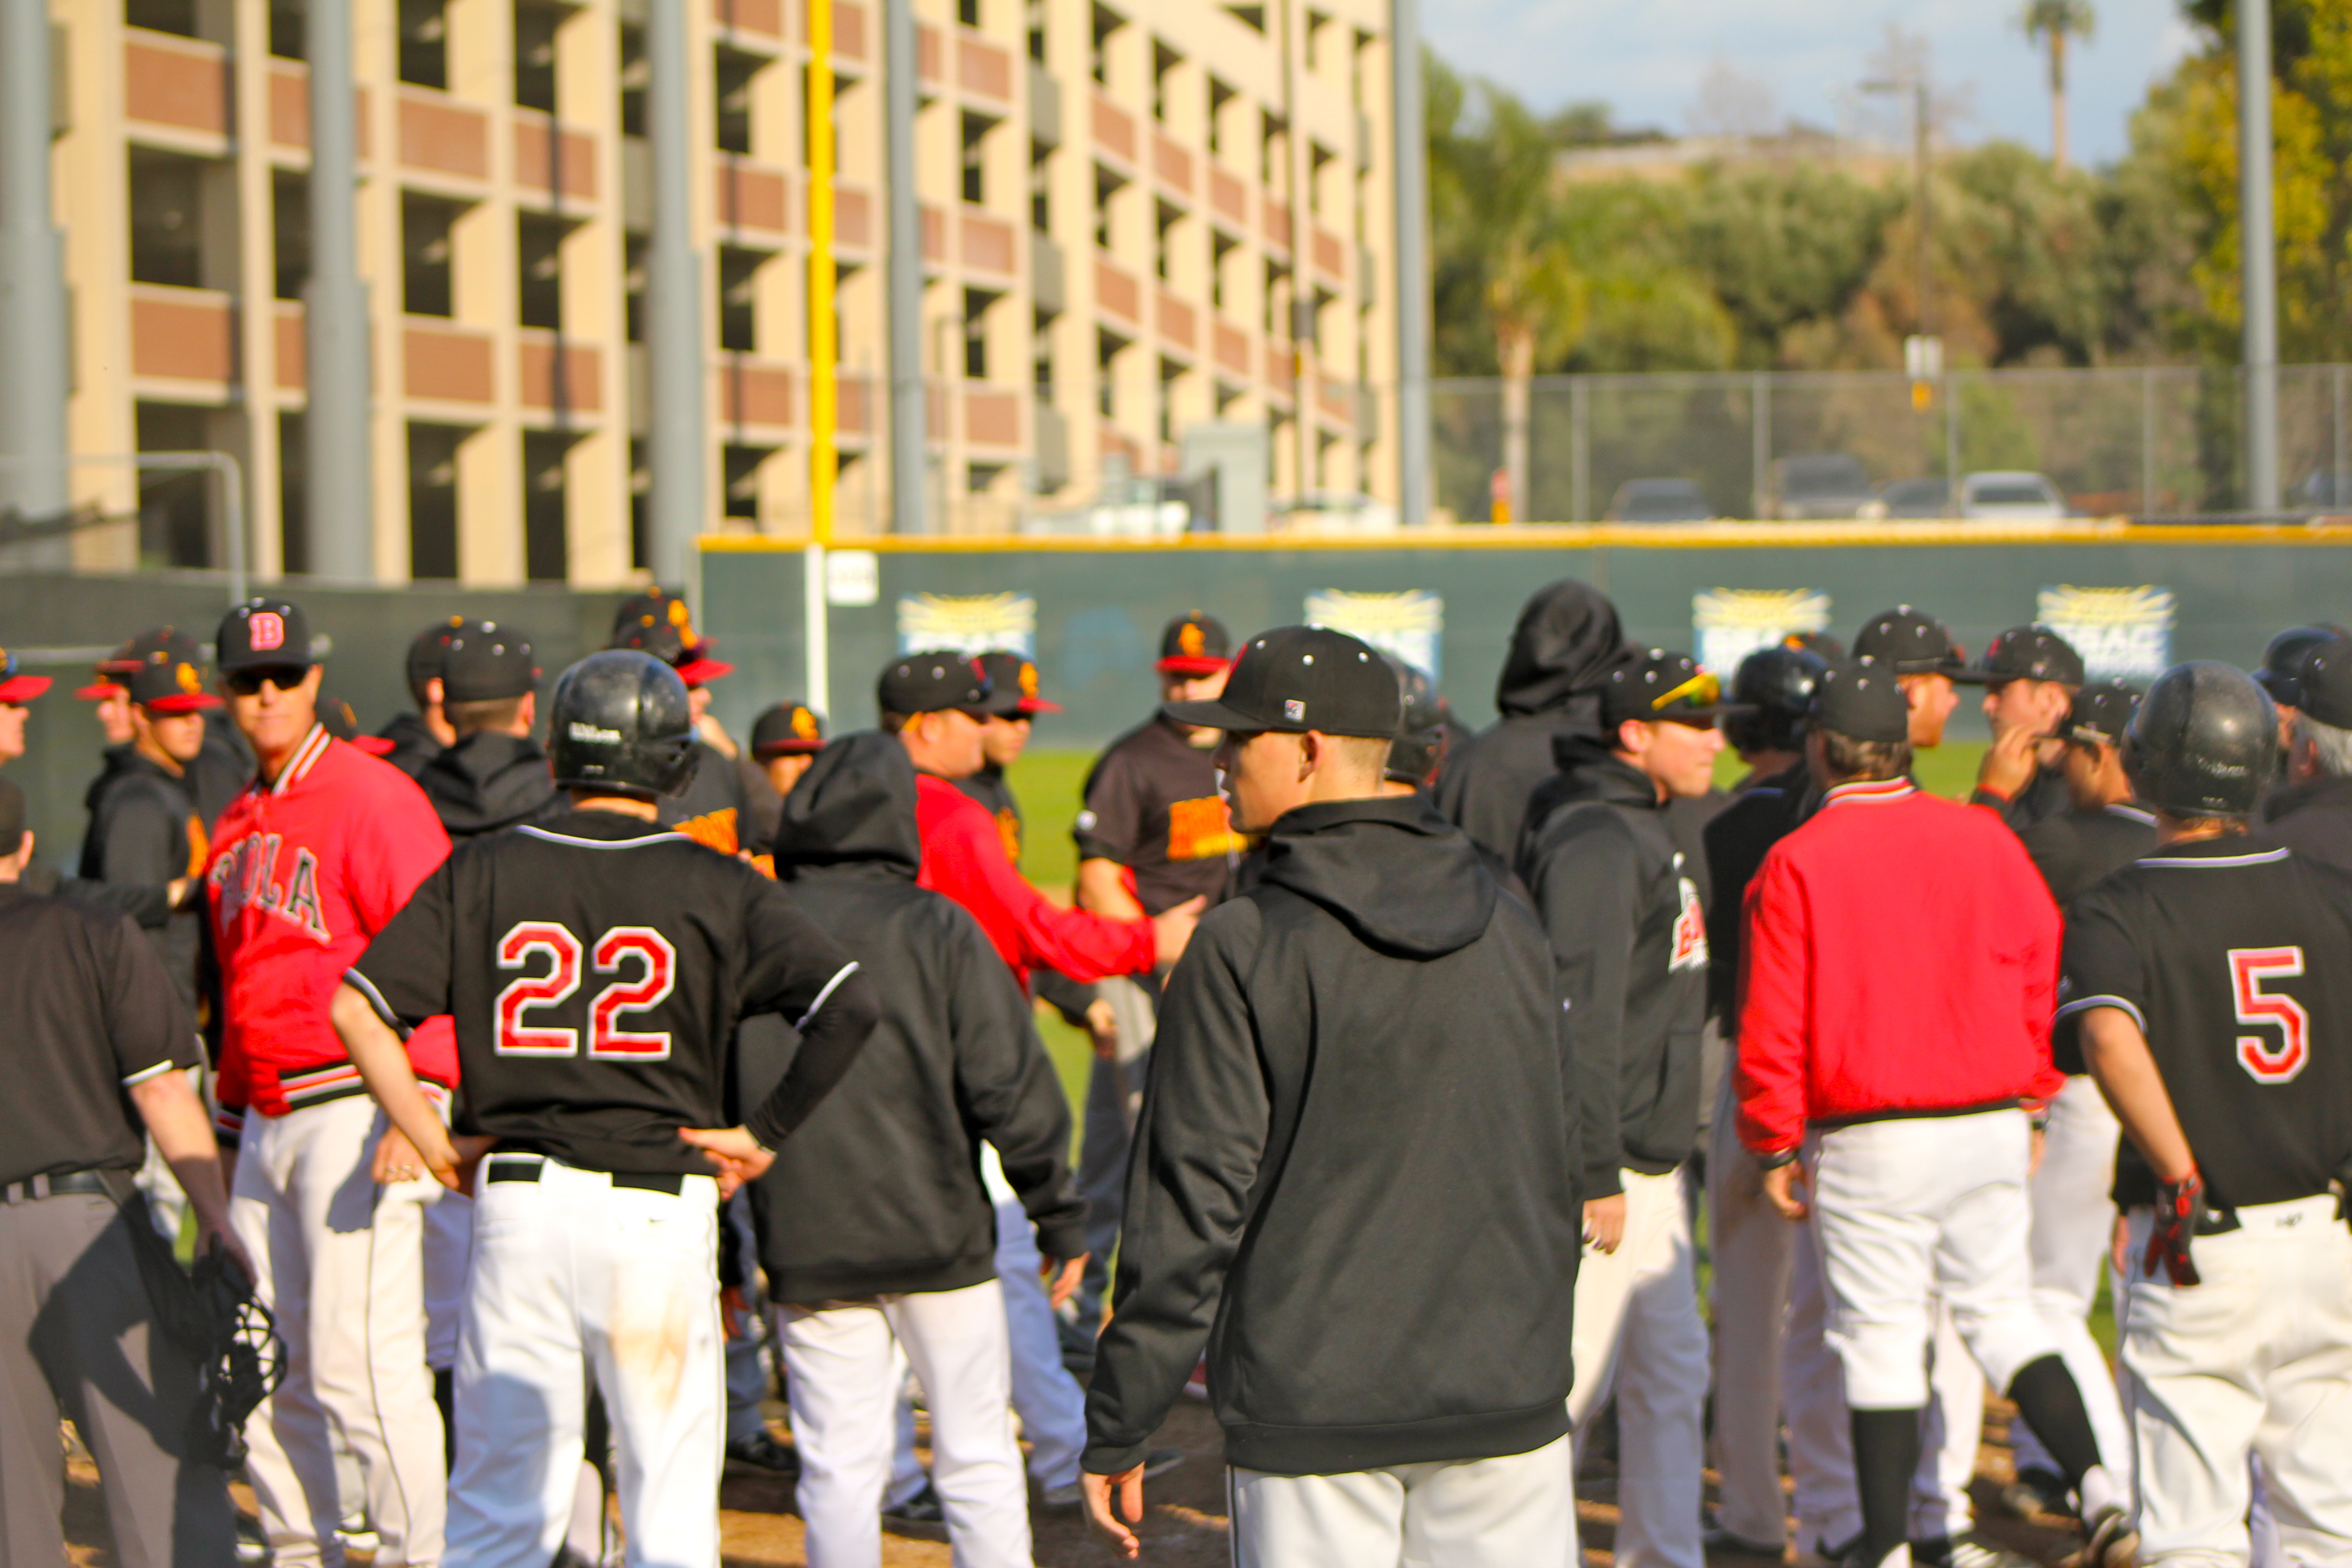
(824, 351)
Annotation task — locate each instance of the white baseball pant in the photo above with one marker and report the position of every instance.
(2256, 1361)
(1638, 1330)
(1911, 1209)
(339, 1262)
(571, 1270)
(1750, 1244)
(1950, 1435)
(839, 1366)
(2073, 1222)
(448, 1246)
(1515, 1512)
(1114, 1098)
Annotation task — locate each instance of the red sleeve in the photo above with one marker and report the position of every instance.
(2046, 944)
(400, 844)
(1080, 944)
(229, 1096)
(1775, 1003)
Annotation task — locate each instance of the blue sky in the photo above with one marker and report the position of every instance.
(1648, 59)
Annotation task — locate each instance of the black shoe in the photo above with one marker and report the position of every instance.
(2037, 1491)
(762, 1452)
(2113, 1543)
(1970, 1551)
(252, 1546)
(922, 1509)
(1719, 1539)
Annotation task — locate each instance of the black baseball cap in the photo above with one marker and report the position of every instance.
(1861, 700)
(2324, 684)
(115, 671)
(657, 622)
(168, 682)
(2100, 713)
(1819, 643)
(1012, 686)
(1660, 684)
(933, 682)
(786, 729)
(427, 652)
(1195, 643)
(1297, 678)
(2283, 661)
(1906, 641)
(486, 663)
(264, 634)
(2031, 653)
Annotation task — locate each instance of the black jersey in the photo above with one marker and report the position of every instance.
(596, 968)
(1152, 805)
(2236, 962)
(2044, 796)
(2077, 850)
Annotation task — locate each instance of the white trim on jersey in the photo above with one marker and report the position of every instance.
(665, 834)
(2117, 1003)
(2132, 814)
(313, 747)
(848, 969)
(158, 1070)
(2198, 862)
(361, 983)
(1873, 792)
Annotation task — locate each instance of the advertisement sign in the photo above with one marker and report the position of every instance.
(1411, 624)
(2122, 634)
(969, 623)
(1729, 624)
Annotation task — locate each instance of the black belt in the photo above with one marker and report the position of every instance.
(70, 1182)
(529, 1170)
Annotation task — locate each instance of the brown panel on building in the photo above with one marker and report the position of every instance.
(1331, 256)
(1175, 319)
(991, 418)
(935, 233)
(927, 53)
(293, 350)
(543, 153)
(1114, 444)
(1277, 365)
(1173, 164)
(1233, 349)
(183, 334)
(1228, 196)
(1117, 293)
(852, 218)
(443, 137)
(848, 30)
(1278, 224)
(186, 87)
(1114, 129)
(448, 366)
(1337, 399)
(852, 395)
(987, 243)
(289, 105)
(750, 16)
(581, 381)
(753, 198)
(755, 393)
(984, 69)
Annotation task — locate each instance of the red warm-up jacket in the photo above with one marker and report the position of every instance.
(963, 856)
(1901, 958)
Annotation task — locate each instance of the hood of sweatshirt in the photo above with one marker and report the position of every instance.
(854, 805)
(1568, 639)
(1401, 877)
(487, 780)
(121, 760)
(1591, 771)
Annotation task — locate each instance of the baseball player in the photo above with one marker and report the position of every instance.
(109, 698)
(492, 774)
(2074, 1220)
(222, 763)
(1014, 704)
(875, 1226)
(1915, 1143)
(415, 739)
(596, 967)
(725, 796)
(2030, 675)
(316, 857)
(16, 693)
(1367, 1044)
(785, 739)
(2283, 664)
(1629, 938)
(1930, 666)
(2312, 816)
(2203, 985)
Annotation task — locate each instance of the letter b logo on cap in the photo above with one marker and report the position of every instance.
(268, 630)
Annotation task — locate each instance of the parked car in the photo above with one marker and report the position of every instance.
(1658, 500)
(1332, 511)
(1807, 485)
(2011, 496)
(1914, 498)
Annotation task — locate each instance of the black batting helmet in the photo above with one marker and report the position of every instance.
(1778, 683)
(1420, 743)
(620, 724)
(2204, 742)
(2282, 671)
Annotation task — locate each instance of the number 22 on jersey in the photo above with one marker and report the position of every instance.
(2249, 967)
(656, 963)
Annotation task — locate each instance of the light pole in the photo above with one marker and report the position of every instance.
(33, 333)
(1411, 155)
(2257, 247)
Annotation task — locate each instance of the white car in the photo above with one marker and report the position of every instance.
(2011, 495)
(1332, 511)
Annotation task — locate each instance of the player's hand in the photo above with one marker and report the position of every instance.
(1110, 1497)
(1171, 928)
(2009, 763)
(464, 1159)
(176, 891)
(1787, 1187)
(396, 1159)
(1605, 1222)
(732, 1152)
(2119, 1247)
(731, 1309)
(2038, 1147)
(1061, 1277)
(2179, 1206)
(1102, 1024)
(210, 1236)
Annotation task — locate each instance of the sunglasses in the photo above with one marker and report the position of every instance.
(249, 682)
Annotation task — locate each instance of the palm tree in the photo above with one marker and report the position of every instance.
(2056, 21)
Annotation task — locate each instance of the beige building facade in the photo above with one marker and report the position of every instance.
(1134, 219)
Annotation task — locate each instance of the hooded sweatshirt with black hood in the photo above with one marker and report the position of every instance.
(1354, 1175)
(879, 1191)
(1568, 639)
(1629, 938)
(489, 780)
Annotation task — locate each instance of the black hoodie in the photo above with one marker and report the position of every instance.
(1629, 938)
(2313, 818)
(879, 1190)
(489, 781)
(1567, 639)
(413, 744)
(1354, 1175)
(144, 832)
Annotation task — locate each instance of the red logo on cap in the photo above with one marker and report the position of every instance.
(268, 630)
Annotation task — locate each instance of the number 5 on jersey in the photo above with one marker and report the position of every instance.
(531, 941)
(2249, 967)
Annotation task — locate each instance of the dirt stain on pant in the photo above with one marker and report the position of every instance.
(651, 1318)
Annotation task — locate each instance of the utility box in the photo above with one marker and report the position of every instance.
(1233, 455)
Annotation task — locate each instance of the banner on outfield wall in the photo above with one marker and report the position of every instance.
(1411, 624)
(1729, 624)
(969, 623)
(2122, 634)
